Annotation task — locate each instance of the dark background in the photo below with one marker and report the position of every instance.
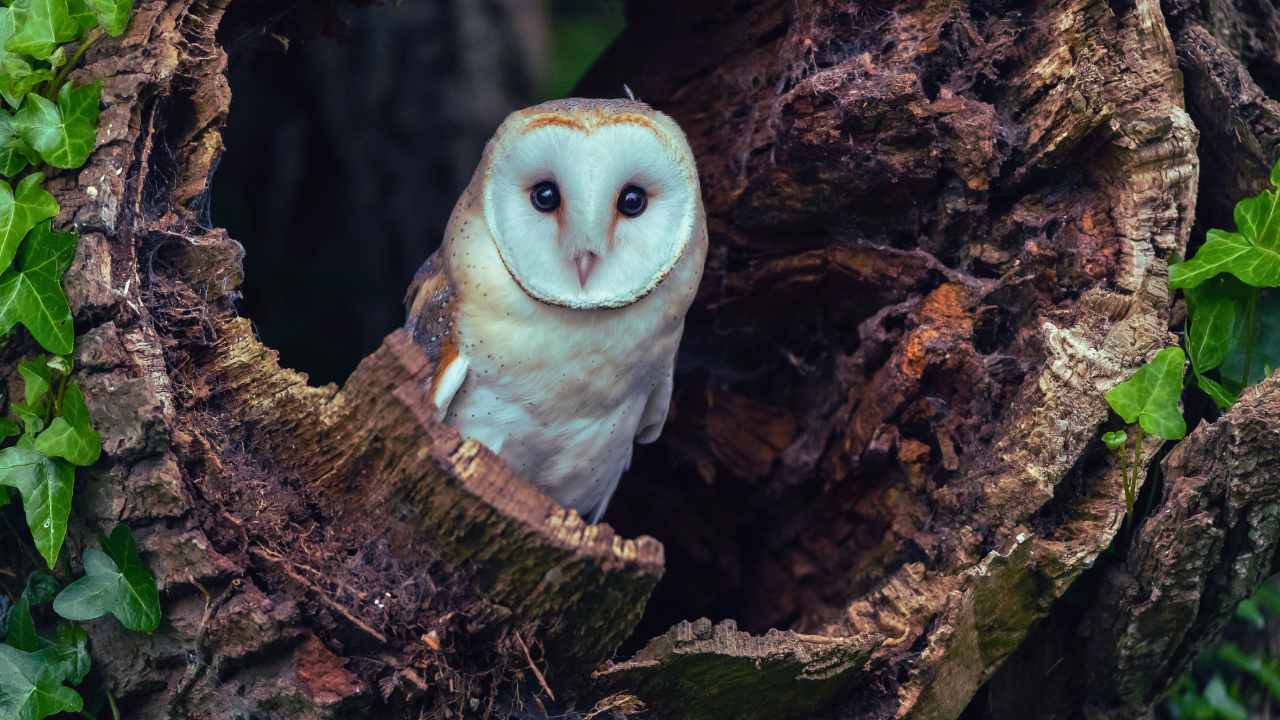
(349, 141)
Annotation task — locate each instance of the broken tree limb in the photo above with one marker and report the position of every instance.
(377, 458)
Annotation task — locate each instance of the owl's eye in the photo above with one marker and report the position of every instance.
(545, 196)
(632, 201)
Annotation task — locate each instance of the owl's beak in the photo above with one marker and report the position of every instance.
(585, 261)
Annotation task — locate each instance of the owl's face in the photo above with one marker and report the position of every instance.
(590, 203)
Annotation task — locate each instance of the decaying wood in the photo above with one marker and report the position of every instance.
(958, 489)
(377, 458)
(1213, 536)
(940, 231)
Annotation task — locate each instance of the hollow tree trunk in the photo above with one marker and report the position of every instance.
(940, 233)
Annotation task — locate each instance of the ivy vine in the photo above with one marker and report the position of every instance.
(48, 122)
(1232, 330)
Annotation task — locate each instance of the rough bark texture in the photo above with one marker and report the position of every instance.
(940, 232)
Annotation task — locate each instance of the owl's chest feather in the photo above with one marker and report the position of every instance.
(560, 398)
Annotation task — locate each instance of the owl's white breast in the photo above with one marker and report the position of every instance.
(559, 393)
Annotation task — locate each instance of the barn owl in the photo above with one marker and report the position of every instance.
(555, 305)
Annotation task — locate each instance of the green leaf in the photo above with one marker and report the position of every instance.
(99, 592)
(8, 428)
(20, 210)
(33, 295)
(16, 75)
(71, 435)
(15, 155)
(37, 380)
(1269, 597)
(141, 607)
(1266, 352)
(19, 79)
(46, 486)
(1151, 396)
(40, 26)
(1252, 253)
(1255, 264)
(20, 630)
(68, 652)
(1213, 308)
(1221, 396)
(1220, 701)
(1265, 672)
(1249, 612)
(63, 134)
(32, 418)
(81, 14)
(41, 587)
(1115, 439)
(112, 14)
(20, 627)
(31, 688)
(116, 581)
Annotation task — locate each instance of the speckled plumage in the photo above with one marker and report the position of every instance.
(557, 373)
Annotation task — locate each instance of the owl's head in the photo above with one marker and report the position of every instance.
(591, 203)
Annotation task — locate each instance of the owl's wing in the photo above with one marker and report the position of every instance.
(656, 407)
(431, 304)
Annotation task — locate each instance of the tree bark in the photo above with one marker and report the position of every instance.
(941, 232)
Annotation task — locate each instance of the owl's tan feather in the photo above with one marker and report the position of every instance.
(562, 380)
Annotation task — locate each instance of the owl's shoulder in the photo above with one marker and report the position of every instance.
(431, 302)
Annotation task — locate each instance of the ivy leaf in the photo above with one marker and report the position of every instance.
(112, 14)
(63, 134)
(1115, 439)
(45, 485)
(41, 587)
(81, 14)
(33, 295)
(21, 209)
(17, 78)
(40, 26)
(15, 154)
(32, 419)
(57, 59)
(140, 609)
(68, 652)
(1252, 253)
(8, 429)
(1150, 397)
(1221, 396)
(36, 382)
(1257, 265)
(1213, 307)
(116, 581)
(71, 435)
(20, 627)
(1249, 611)
(94, 595)
(1266, 352)
(32, 689)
